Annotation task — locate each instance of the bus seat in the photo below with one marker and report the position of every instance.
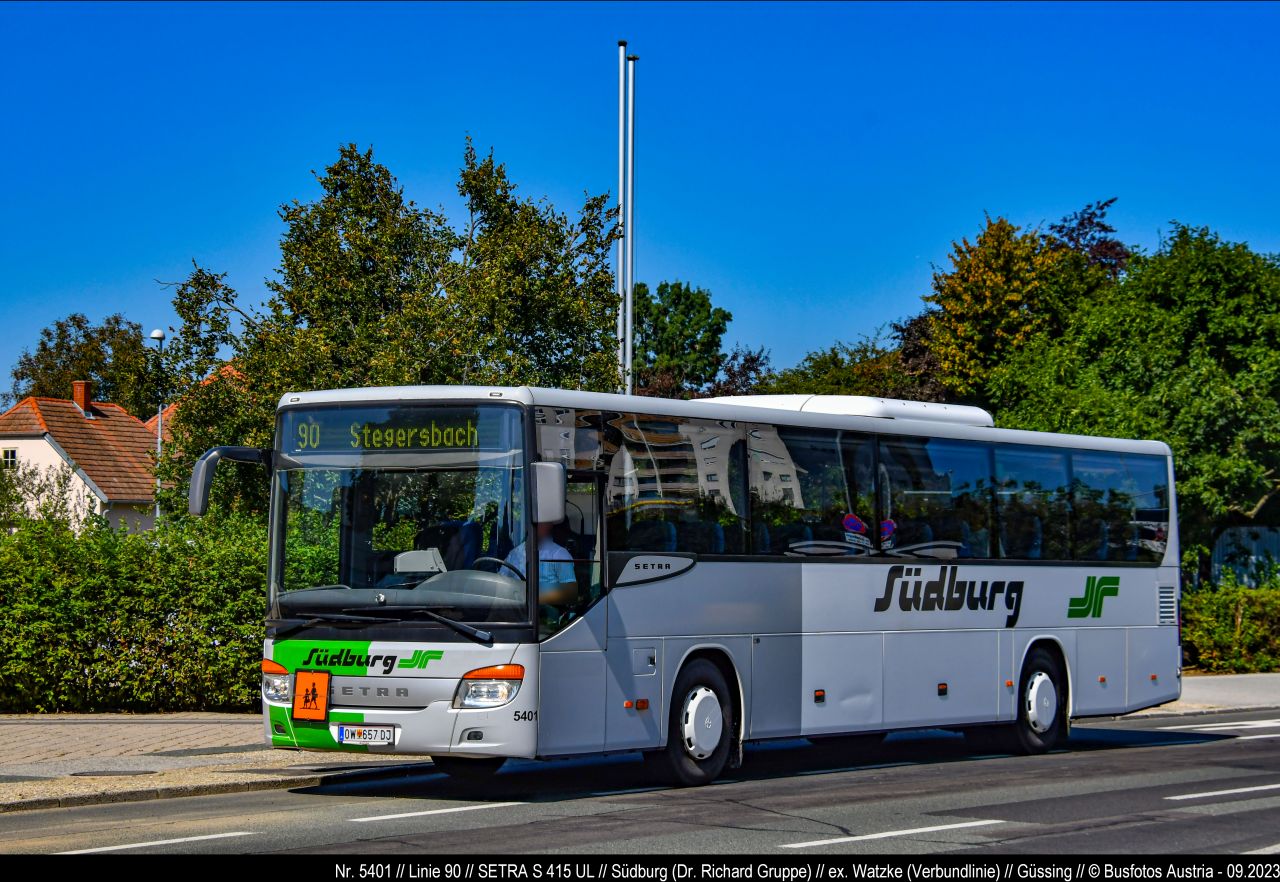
(1099, 551)
(700, 537)
(1131, 547)
(761, 538)
(652, 536)
(787, 535)
(464, 546)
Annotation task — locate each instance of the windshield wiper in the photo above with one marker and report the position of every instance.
(462, 628)
(321, 618)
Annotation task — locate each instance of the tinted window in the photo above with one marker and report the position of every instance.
(568, 436)
(804, 501)
(671, 484)
(1033, 503)
(935, 497)
(1121, 506)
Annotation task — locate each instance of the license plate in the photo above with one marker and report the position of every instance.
(366, 735)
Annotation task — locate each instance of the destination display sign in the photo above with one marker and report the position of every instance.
(402, 428)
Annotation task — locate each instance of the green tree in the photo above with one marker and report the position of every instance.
(870, 365)
(373, 290)
(113, 355)
(1010, 285)
(1184, 349)
(678, 340)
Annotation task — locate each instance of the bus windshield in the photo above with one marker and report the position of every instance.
(389, 511)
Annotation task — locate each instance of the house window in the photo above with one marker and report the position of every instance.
(10, 458)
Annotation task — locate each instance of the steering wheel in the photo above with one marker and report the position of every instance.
(502, 563)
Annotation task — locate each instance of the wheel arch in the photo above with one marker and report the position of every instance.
(720, 656)
(1052, 644)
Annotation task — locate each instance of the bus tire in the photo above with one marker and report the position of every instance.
(1042, 705)
(466, 768)
(699, 728)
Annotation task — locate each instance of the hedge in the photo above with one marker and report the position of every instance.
(100, 619)
(1232, 628)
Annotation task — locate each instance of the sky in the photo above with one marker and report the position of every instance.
(810, 165)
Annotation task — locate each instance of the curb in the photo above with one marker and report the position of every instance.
(178, 790)
(1192, 713)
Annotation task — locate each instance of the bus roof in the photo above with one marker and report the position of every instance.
(881, 415)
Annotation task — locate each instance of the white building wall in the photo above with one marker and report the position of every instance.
(38, 452)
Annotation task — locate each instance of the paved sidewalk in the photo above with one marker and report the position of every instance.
(1203, 693)
(74, 759)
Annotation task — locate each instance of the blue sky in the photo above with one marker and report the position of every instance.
(807, 163)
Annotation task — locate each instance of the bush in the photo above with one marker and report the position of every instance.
(1232, 628)
(100, 619)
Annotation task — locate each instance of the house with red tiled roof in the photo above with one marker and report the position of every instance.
(109, 451)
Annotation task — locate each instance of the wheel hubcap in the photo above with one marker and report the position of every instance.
(701, 723)
(1042, 702)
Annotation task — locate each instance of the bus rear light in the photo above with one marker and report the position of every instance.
(488, 687)
(942, 689)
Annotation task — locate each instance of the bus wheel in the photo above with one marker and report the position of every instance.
(1042, 705)
(467, 768)
(699, 728)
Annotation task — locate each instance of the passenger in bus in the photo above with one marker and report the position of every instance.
(557, 584)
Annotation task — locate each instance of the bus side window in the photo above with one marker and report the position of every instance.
(673, 485)
(1121, 503)
(939, 499)
(800, 497)
(1033, 499)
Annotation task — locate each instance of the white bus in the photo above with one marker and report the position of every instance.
(708, 573)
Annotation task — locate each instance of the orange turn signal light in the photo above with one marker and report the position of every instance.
(271, 667)
(1102, 679)
(496, 672)
(642, 704)
(1008, 684)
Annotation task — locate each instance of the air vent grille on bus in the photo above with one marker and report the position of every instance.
(1168, 605)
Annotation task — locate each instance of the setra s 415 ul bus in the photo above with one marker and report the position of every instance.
(478, 573)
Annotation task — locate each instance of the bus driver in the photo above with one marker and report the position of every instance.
(557, 583)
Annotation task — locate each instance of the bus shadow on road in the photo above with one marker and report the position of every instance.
(559, 780)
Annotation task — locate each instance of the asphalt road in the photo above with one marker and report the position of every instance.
(1206, 783)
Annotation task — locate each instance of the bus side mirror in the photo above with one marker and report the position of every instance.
(202, 474)
(549, 488)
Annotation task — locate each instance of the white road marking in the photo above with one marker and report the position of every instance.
(891, 833)
(1256, 737)
(1219, 727)
(1270, 849)
(158, 842)
(442, 811)
(1231, 792)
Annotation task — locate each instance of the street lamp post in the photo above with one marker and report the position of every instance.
(158, 336)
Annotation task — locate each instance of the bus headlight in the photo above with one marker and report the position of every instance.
(489, 687)
(277, 685)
